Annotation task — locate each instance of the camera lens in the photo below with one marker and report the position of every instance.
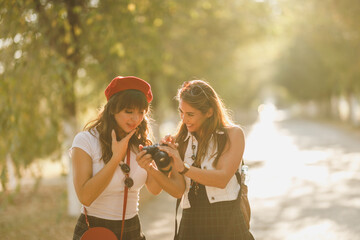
(162, 159)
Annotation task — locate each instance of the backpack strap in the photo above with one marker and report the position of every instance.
(176, 236)
(238, 175)
(182, 149)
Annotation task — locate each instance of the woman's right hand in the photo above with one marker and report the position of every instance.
(168, 138)
(119, 147)
(172, 151)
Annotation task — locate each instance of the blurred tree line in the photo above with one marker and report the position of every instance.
(322, 59)
(57, 57)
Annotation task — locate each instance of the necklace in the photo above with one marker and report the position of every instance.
(194, 184)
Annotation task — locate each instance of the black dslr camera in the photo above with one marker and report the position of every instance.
(161, 158)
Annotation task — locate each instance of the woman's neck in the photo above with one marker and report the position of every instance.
(120, 133)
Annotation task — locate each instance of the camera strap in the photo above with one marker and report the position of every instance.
(125, 196)
(100, 231)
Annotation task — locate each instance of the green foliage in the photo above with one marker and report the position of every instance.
(58, 56)
(324, 54)
(38, 60)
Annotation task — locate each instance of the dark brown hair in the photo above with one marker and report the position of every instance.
(200, 95)
(105, 122)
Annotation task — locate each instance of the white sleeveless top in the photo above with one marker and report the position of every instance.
(214, 194)
(109, 204)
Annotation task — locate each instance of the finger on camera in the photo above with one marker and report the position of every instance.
(147, 156)
(142, 153)
(169, 138)
(171, 145)
(144, 161)
(166, 149)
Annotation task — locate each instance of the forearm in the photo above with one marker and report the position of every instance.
(213, 178)
(152, 185)
(174, 185)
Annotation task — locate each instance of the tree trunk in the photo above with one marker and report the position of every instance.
(69, 131)
(354, 106)
(334, 107)
(344, 108)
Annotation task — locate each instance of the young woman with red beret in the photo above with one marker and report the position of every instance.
(107, 176)
(207, 152)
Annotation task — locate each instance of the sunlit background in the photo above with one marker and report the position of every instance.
(289, 72)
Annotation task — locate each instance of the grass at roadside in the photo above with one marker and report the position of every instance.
(37, 215)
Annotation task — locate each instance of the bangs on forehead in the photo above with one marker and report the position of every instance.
(132, 99)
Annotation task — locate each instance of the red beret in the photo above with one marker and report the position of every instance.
(120, 83)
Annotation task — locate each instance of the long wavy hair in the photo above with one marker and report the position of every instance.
(105, 122)
(200, 95)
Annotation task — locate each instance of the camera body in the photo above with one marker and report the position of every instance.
(161, 158)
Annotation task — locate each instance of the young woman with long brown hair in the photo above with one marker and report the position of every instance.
(107, 176)
(206, 151)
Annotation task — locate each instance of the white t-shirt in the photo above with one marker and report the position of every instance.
(109, 204)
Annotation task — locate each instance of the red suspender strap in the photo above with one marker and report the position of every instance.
(86, 219)
(125, 195)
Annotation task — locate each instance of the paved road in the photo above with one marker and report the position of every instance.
(158, 217)
(304, 183)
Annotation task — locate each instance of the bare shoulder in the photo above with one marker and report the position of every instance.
(236, 133)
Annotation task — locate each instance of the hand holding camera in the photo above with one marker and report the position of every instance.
(161, 158)
(170, 146)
